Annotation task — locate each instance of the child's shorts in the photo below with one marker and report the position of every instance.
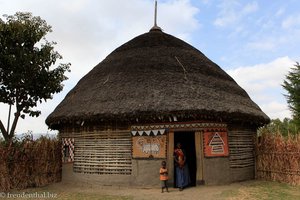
(164, 183)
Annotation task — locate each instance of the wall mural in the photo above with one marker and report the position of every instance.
(149, 146)
(215, 144)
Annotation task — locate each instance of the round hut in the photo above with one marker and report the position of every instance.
(127, 113)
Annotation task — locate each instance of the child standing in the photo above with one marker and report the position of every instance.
(163, 171)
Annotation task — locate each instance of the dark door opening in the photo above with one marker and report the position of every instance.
(187, 140)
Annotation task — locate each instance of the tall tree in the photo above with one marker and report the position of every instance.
(292, 86)
(27, 72)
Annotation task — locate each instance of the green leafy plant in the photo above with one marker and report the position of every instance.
(27, 72)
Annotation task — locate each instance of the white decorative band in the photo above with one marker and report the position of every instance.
(140, 129)
(148, 132)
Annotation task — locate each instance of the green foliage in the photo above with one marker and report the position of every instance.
(292, 86)
(284, 128)
(27, 75)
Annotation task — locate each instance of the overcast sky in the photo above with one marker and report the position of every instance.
(256, 42)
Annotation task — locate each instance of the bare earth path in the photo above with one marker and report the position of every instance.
(69, 191)
(248, 190)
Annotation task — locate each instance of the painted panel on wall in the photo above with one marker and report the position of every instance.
(149, 146)
(67, 150)
(215, 144)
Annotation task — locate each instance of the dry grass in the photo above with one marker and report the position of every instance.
(253, 190)
(278, 158)
(30, 163)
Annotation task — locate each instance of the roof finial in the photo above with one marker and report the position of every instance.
(155, 14)
(155, 27)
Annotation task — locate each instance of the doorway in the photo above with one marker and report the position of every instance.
(187, 140)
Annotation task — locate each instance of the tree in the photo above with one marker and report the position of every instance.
(27, 72)
(292, 86)
(276, 126)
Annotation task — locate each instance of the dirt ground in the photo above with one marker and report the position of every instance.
(248, 190)
(64, 191)
(200, 192)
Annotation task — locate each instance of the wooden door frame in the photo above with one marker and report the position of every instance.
(170, 156)
(199, 156)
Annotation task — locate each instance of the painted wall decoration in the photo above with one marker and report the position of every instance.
(149, 146)
(215, 144)
(67, 150)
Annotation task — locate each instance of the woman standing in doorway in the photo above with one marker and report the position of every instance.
(181, 168)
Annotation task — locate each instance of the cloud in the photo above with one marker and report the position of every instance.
(180, 25)
(227, 15)
(206, 2)
(275, 110)
(232, 12)
(86, 31)
(280, 12)
(291, 22)
(263, 45)
(276, 30)
(263, 84)
(249, 8)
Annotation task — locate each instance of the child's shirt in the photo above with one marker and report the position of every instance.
(163, 174)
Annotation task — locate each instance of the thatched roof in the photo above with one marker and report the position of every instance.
(156, 75)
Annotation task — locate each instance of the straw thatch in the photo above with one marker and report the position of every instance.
(278, 158)
(156, 75)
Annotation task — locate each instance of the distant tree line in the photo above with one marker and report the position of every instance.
(285, 127)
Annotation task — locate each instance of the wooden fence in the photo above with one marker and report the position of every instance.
(278, 158)
(30, 163)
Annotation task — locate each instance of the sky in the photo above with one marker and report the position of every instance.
(255, 42)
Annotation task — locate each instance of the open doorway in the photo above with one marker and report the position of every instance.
(187, 140)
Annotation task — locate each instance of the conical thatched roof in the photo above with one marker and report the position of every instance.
(156, 75)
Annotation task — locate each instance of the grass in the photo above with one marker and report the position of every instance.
(262, 190)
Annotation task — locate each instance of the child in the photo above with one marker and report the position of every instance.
(163, 176)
